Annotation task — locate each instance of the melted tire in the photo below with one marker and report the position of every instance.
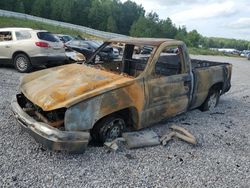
(108, 128)
(211, 101)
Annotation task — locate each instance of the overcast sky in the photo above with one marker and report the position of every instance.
(220, 18)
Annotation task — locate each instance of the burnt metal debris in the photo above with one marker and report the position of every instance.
(141, 139)
(180, 133)
(148, 138)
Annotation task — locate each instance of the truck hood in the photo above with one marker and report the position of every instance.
(67, 85)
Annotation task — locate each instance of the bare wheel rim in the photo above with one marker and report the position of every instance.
(212, 101)
(114, 129)
(22, 63)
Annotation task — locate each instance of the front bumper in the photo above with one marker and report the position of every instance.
(52, 138)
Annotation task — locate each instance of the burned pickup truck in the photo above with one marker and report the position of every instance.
(65, 107)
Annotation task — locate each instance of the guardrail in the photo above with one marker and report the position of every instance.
(87, 30)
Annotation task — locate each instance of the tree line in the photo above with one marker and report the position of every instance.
(126, 18)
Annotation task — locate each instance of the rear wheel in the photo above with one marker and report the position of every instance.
(108, 129)
(22, 63)
(212, 100)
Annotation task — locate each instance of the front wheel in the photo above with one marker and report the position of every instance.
(108, 129)
(212, 101)
(22, 63)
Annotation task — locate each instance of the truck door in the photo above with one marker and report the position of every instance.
(168, 86)
(6, 40)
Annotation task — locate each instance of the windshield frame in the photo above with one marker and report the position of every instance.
(99, 49)
(90, 61)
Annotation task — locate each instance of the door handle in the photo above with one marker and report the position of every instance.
(7, 46)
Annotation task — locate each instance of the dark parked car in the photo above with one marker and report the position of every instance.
(146, 50)
(65, 38)
(87, 48)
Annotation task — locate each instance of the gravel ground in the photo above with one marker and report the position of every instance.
(221, 159)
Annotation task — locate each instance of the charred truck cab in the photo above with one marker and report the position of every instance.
(64, 107)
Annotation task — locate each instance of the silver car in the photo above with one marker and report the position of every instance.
(27, 48)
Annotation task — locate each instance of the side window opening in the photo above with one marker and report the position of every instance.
(136, 58)
(169, 62)
(5, 36)
(121, 58)
(22, 35)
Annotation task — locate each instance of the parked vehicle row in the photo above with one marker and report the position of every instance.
(26, 49)
(245, 53)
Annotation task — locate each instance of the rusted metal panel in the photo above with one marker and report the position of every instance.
(132, 97)
(68, 85)
(84, 115)
(205, 78)
(167, 97)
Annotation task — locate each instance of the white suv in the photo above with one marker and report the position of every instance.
(28, 48)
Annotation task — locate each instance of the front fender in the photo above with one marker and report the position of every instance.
(84, 115)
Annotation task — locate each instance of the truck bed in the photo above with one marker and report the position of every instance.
(206, 74)
(196, 63)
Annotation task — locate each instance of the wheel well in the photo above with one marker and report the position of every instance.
(130, 116)
(217, 86)
(19, 52)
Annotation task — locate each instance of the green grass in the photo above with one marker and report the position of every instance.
(203, 51)
(16, 22)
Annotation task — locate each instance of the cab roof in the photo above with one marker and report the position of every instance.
(144, 41)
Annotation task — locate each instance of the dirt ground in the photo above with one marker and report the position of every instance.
(221, 159)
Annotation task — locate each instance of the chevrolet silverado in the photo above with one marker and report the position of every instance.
(65, 107)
